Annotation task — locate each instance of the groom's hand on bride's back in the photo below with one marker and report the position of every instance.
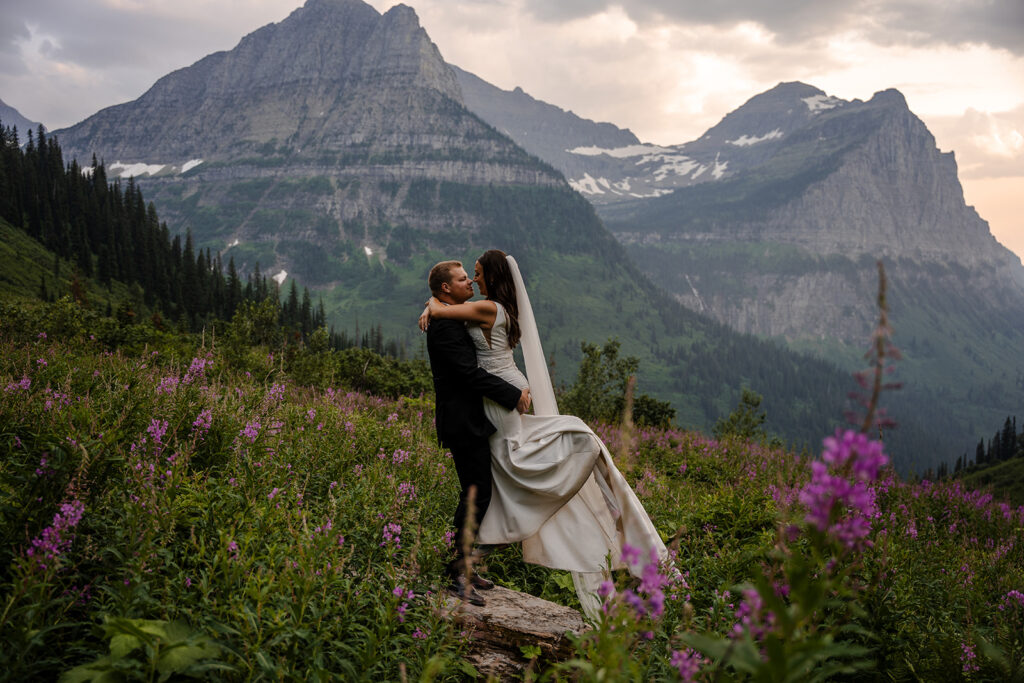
(524, 401)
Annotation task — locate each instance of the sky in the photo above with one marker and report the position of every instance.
(666, 69)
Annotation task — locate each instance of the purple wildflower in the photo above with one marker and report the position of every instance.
(968, 657)
(167, 385)
(251, 431)
(202, 423)
(197, 370)
(1013, 599)
(688, 662)
(392, 534)
(24, 384)
(407, 491)
(56, 538)
(630, 555)
(836, 505)
(157, 429)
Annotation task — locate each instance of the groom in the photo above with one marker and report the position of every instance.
(462, 428)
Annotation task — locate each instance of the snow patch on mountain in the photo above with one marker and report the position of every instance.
(719, 170)
(120, 170)
(676, 164)
(747, 140)
(818, 103)
(620, 152)
(139, 169)
(586, 185)
(280, 277)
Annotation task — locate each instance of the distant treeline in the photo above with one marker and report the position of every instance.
(110, 233)
(1005, 444)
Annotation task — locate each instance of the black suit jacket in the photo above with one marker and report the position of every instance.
(459, 384)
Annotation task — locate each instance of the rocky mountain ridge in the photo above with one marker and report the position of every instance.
(9, 116)
(863, 180)
(772, 222)
(313, 128)
(544, 130)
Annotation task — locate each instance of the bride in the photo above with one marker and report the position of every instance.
(555, 486)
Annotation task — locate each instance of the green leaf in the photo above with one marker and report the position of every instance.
(563, 580)
(530, 651)
(100, 671)
(122, 644)
(178, 657)
(264, 661)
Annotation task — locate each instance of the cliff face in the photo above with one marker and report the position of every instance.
(11, 117)
(293, 84)
(794, 236)
(544, 130)
(332, 127)
(893, 194)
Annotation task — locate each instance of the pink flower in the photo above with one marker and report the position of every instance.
(157, 429)
(836, 505)
(688, 662)
(202, 423)
(251, 431)
(392, 534)
(57, 537)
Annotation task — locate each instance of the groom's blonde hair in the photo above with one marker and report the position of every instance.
(440, 274)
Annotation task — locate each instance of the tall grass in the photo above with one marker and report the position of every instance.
(166, 513)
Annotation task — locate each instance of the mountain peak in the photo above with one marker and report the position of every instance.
(289, 83)
(11, 117)
(791, 89)
(770, 115)
(891, 97)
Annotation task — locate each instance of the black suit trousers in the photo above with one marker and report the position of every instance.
(472, 458)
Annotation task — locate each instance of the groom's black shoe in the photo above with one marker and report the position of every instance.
(481, 584)
(464, 591)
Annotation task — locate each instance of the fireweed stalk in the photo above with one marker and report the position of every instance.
(620, 645)
(47, 548)
(789, 621)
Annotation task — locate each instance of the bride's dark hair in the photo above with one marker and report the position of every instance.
(501, 288)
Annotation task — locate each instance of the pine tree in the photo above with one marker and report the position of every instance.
(233, 294)
(189, 279)
(291, 309)
(306, 314)
(1007, 440)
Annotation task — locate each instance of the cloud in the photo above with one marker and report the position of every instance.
(159, 35)
(989, 144)
(998, 23)
(66, 60)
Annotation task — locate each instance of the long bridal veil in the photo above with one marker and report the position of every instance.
(605, 506)
(533, 353)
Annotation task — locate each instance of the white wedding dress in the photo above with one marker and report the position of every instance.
(555, 486)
